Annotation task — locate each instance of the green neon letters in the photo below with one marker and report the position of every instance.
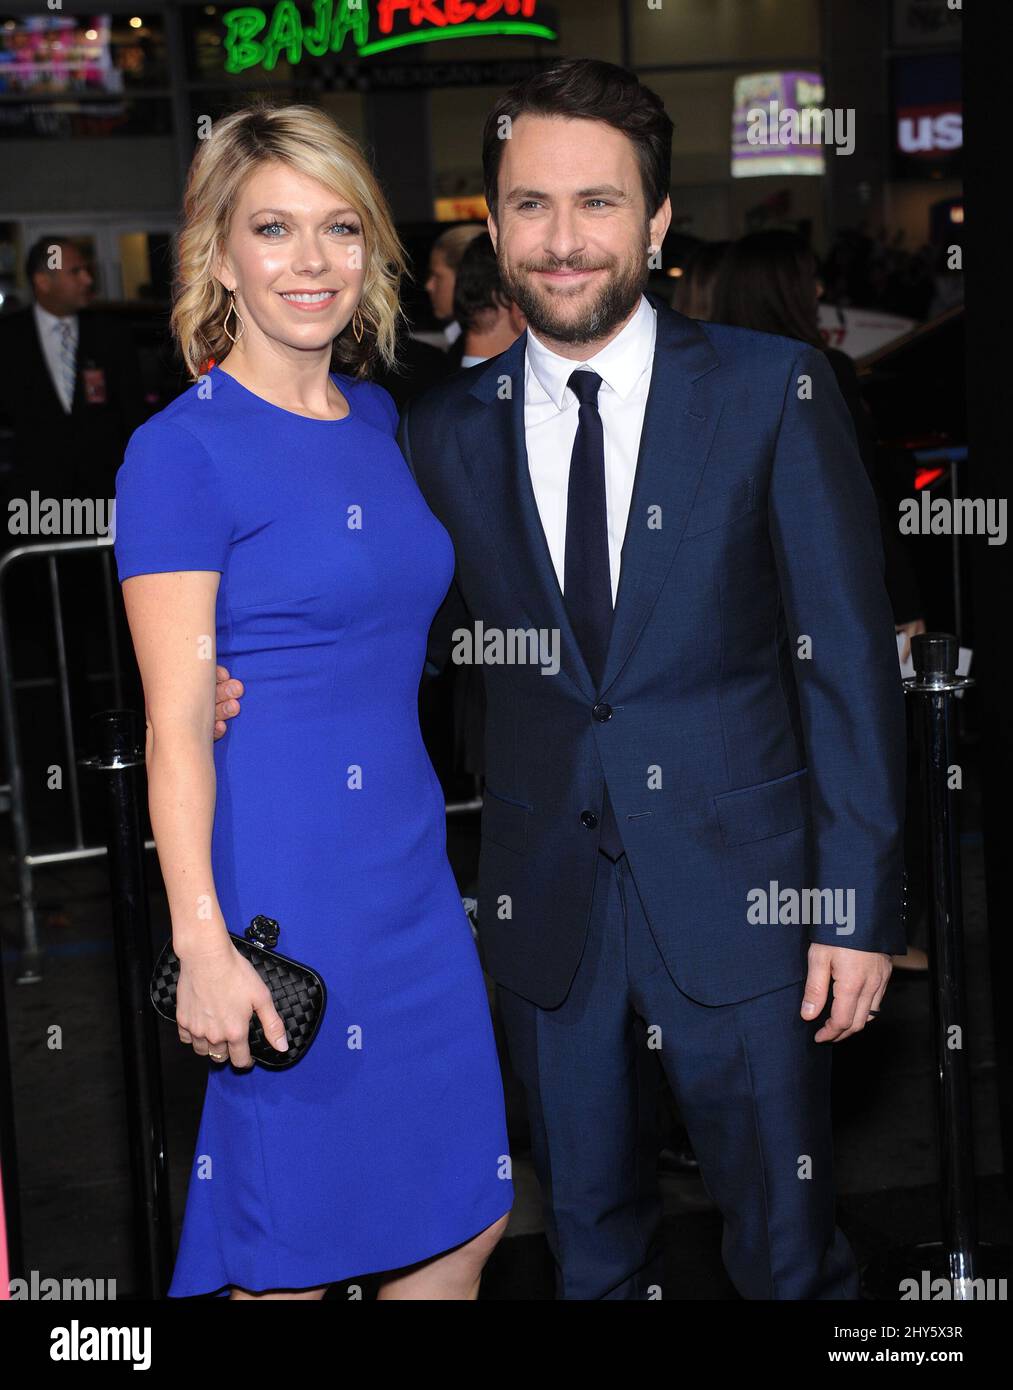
(247, 45)
(287, 34)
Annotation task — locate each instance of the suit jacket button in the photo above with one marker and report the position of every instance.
(589, 819)
(601, 712)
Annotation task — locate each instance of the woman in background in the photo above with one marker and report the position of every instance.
(694, 290)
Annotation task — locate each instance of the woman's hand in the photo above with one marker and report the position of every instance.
(217, 994)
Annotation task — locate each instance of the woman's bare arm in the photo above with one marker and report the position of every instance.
(171, 619)
(172, 624)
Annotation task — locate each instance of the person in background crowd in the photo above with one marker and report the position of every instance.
(420, 364)
(694, 290)
(490, 320)
(880, 273)
(70, 397)
(769, 281)
(485, 322)
(70, 389)
(444, 259)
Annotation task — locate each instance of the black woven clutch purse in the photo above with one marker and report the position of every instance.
(298, 992)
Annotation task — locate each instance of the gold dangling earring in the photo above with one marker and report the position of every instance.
(357, 328)
(239, 319)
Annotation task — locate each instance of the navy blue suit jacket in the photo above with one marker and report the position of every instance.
(756, 728)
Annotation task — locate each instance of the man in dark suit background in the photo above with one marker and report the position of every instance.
(70, 390)
(70, 397)
(444, 259)
(490, 320)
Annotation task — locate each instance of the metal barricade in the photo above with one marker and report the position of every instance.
(26, 861)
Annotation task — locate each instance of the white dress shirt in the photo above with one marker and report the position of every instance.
(551, 413)
(47, 326)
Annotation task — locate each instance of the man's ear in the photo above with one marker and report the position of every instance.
(660, 222)
(490, 222)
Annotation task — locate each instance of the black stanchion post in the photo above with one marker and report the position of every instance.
(958, 1259)
(119, 739)
(8, 1148)
(934, 686)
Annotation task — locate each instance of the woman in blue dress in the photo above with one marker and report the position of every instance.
(268, 520)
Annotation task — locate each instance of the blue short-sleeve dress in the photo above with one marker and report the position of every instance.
(386, 1143)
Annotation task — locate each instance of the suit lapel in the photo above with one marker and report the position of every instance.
(679, 423)
(495, 458)
(680, 419)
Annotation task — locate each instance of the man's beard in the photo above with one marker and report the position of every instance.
(610, 306)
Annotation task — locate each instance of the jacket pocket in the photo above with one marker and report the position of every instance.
(721, 508)
(763, 810)
(504, 822)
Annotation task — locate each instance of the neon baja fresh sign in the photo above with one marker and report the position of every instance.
(253, 39)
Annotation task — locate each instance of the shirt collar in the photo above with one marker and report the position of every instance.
(50, 321)
(620, 363)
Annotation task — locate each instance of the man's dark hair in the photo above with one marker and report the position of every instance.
(478, 288)
(38, 253)
(592, 90)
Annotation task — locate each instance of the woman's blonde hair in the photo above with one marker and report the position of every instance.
(308, 141)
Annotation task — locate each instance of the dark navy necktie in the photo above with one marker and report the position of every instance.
(587, 584)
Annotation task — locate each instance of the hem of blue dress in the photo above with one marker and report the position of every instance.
(222, 1290)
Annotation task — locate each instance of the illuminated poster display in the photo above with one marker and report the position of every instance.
(257, 37)
(50, 53)
(777, 127)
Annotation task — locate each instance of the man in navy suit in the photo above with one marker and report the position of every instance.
(668, 560)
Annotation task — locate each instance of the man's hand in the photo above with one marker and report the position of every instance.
(910, 630)
(860, 980)
(227, 693)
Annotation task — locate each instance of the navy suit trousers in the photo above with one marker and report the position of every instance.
(753, 1089)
